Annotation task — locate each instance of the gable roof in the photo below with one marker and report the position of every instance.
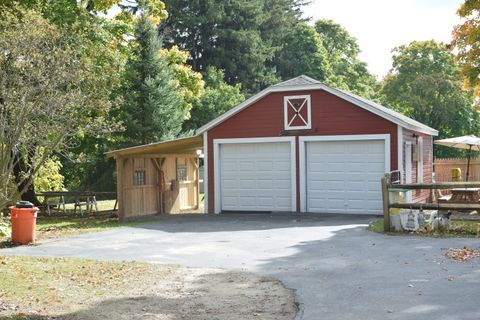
(303, 82)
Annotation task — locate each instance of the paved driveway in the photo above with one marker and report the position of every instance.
(339, 270)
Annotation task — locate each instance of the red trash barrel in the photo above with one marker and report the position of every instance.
(24, 221)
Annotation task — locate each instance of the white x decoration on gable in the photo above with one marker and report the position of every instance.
(297, 112)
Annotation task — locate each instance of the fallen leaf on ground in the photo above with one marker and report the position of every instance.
(462, 254)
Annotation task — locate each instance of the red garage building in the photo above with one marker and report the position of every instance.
(301, 145)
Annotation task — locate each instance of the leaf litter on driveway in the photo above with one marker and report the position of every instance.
(462, 254)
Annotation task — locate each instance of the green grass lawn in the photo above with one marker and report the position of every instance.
(49, 286)
(103, 205)
(459, 229)
(60, 224)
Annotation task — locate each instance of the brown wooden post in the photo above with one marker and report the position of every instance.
(386, 202)
(120, 192)
(157, 182)
(158, 162)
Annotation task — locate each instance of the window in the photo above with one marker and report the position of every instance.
(139, 177)
(297, 112)
(182, 173)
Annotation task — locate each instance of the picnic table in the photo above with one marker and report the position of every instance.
(465, 195)
(87, 199)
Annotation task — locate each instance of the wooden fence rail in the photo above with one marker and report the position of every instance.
(436, 185)
(388, 187)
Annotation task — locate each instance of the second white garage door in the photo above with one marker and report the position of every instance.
(344, 176)
(256, 176)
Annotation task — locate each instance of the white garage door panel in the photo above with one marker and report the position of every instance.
(256, 176)
(344, 176)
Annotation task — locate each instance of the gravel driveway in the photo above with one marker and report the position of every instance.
(338, 269)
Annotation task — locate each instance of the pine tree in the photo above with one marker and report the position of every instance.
(218, 98)
(152, 108)
(240, 37)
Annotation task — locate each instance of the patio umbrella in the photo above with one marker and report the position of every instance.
(465, 142)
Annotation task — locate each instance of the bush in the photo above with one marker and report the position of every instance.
(4, 227)
(48, 177)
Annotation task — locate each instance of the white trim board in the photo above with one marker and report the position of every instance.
(302, 156)
(420, 159)
(408, 168)
(400, 152)
(216, 169)
(368, 105)
(205, 172)
(287, 105)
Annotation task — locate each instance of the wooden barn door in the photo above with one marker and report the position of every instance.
(141, 188)
(187, 179)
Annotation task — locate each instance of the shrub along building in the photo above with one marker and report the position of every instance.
(297, 146)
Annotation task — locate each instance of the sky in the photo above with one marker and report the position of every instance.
(381, 25)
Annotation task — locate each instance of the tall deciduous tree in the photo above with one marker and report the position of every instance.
(100, 42)
(466, 39)
(218, 98)
(425, 84)
(152, 109)
(342, 51)
(47, 96)
(303, 53)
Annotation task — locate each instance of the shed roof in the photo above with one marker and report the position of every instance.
(303, 82)
(184, 146)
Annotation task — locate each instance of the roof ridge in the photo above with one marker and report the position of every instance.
(297, 81)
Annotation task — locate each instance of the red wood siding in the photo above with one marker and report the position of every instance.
(408, 135)
(330, 116)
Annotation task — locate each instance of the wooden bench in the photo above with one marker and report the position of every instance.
(82, 200)
(89, 203)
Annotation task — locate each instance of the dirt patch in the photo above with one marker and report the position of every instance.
(201, 294)
(144, 291)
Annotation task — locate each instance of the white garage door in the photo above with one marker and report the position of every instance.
(344, 176)
(256, 176)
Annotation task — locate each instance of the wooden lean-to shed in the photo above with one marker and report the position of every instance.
(158, 178)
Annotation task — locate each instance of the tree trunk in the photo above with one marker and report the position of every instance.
(19, 169)
(29, 195)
